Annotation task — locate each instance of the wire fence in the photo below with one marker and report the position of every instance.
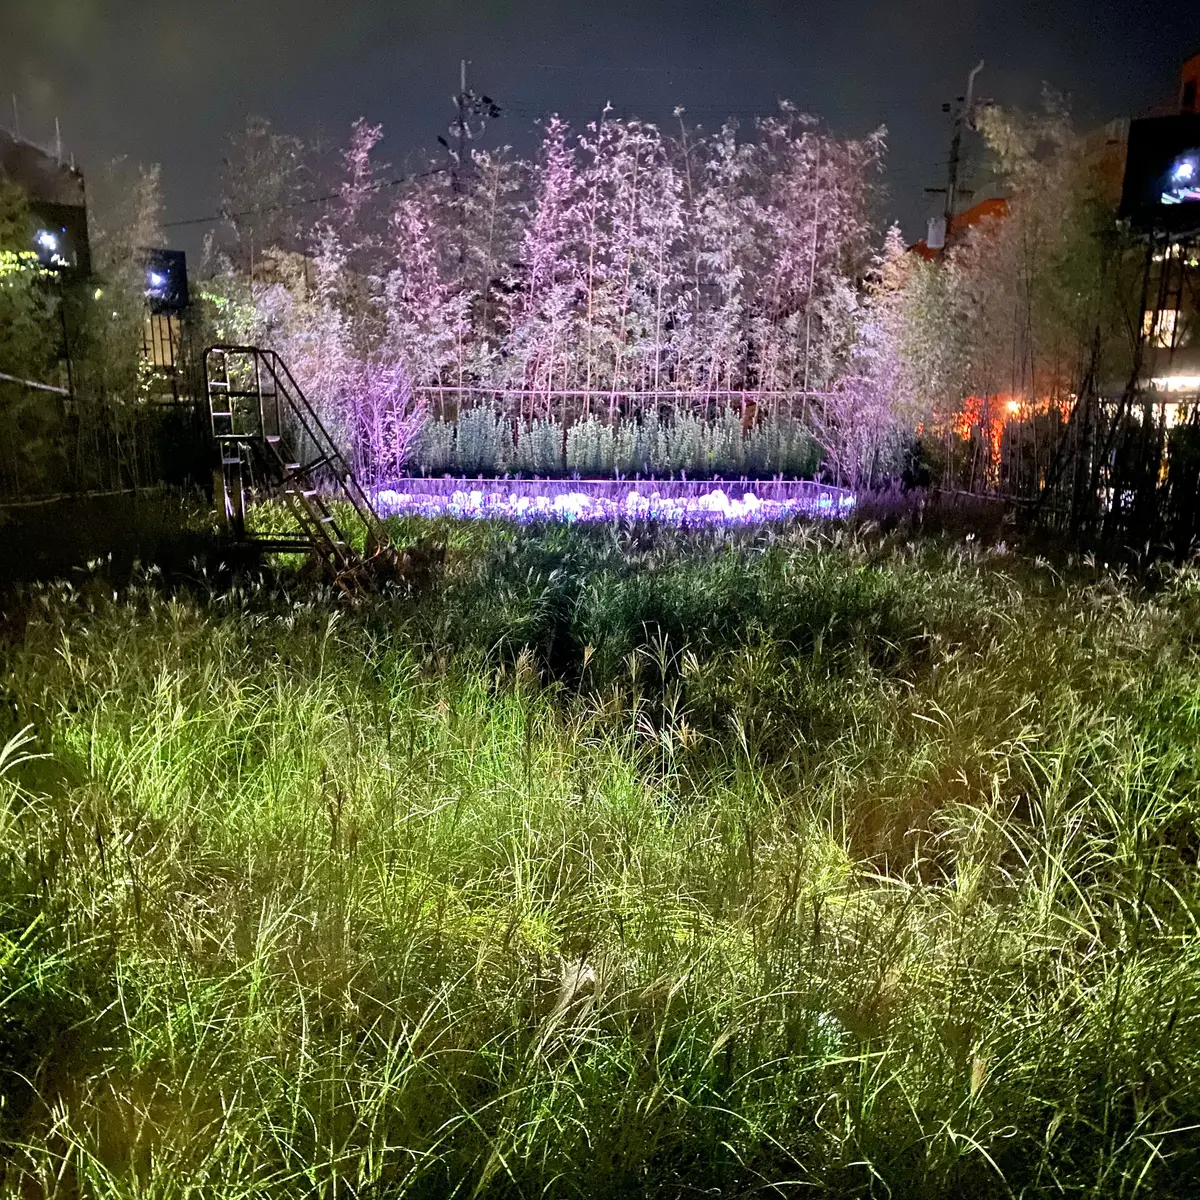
(571, 404)
(1121, 469)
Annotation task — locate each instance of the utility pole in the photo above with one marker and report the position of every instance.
(963, 115)
(461, 124)
(473, 114)
(62, 312)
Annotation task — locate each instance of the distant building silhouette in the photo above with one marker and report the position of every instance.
(54, 193)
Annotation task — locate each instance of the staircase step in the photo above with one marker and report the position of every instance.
(236, 419)
(284, 545)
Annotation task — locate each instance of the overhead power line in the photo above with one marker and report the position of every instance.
(516, 110)
(659, 70)
(327, 199)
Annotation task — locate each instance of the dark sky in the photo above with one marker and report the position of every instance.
(167, 81)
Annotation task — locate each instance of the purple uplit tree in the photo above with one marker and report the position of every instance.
(860, 419)
(712, 343)
(388, 419)
(426, 316)
(543, 320)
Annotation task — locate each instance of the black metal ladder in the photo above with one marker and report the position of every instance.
(270, 440)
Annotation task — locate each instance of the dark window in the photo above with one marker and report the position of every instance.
(1189, 95)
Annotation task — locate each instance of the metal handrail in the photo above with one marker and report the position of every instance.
(274, 387)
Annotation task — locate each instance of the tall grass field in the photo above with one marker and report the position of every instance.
(606, 863)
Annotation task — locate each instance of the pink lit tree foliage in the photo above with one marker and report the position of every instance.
(619, 263)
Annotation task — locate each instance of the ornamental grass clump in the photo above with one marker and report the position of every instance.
(434, 453)
(681, 445)
(636, 448)
(723, 445)
(483, 443)
(590, 448)
(540, 448)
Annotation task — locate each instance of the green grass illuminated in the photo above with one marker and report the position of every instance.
(773, 863)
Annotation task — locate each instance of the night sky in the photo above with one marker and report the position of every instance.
(167, 81)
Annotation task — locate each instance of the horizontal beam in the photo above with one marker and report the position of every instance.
(29, 383)
(605, 394)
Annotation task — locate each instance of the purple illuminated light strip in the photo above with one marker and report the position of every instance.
(710, 508)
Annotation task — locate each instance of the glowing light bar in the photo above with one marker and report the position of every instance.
(1176, 383)
(1182, 195)
(712, 508)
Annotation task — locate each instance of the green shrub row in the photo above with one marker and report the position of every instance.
(481, 442)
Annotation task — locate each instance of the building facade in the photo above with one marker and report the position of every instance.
(57, 201)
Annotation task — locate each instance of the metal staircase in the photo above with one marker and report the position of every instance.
(272, 443)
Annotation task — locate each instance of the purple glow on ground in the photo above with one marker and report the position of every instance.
(710, 508)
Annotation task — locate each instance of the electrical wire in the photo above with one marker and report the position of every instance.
(327, 199)
(399, 180)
